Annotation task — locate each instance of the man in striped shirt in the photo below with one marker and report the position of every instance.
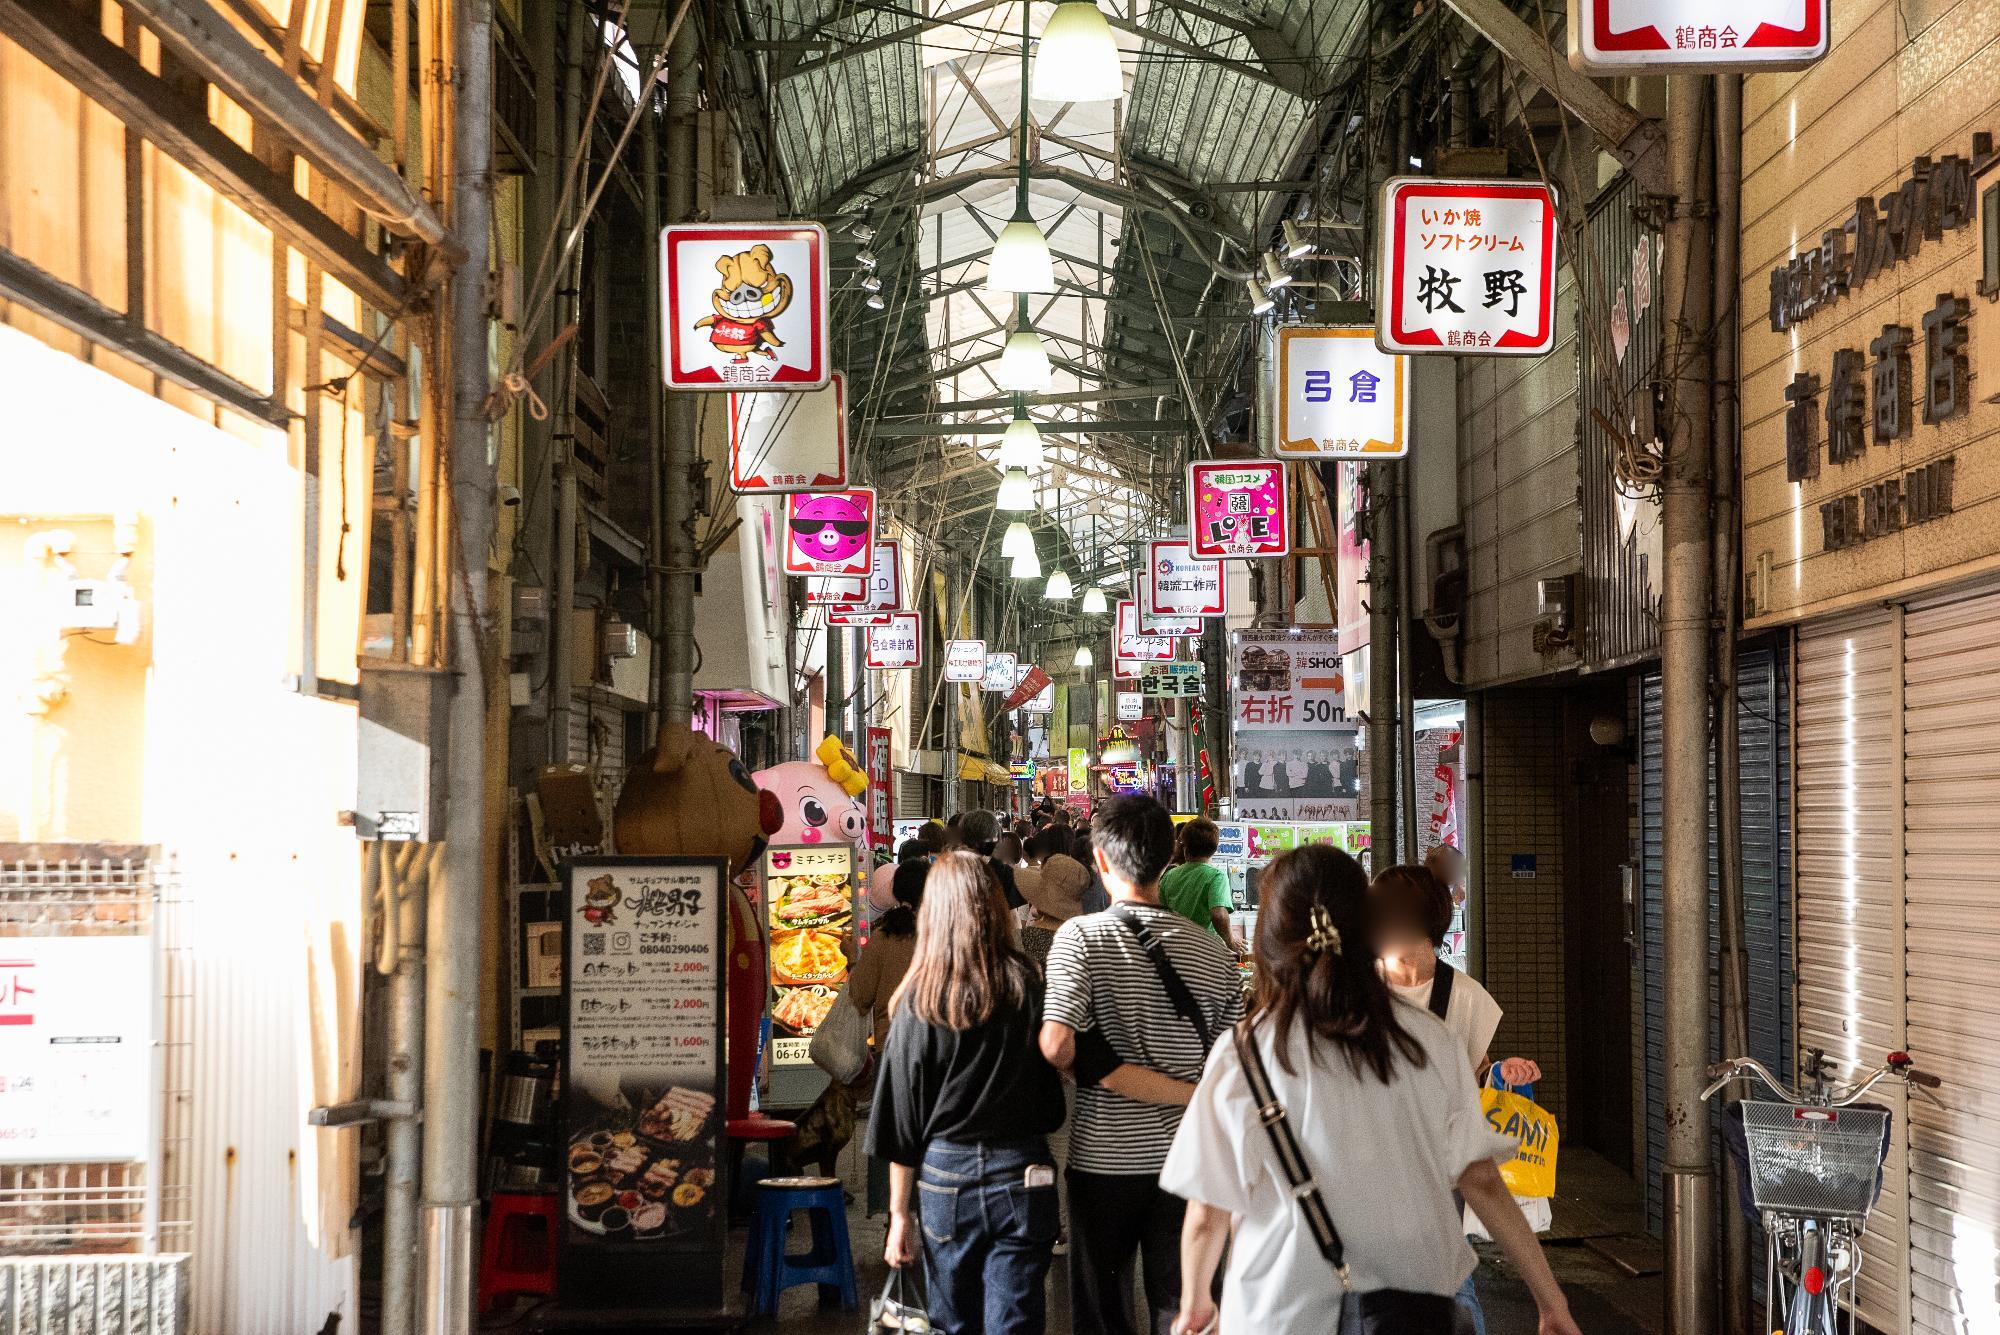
(1102, 982)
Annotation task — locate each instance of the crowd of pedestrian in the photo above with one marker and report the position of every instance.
(1055, 1005)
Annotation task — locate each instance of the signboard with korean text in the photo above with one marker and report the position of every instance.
(1294, 754)
(831, 533)
(644, 1166)
(1468, 267)
(1176, 584)
(1000, 673)
(76, 1049)
(1131, 706)
(789, 442)
(745, 306)
(1237, 509)
(1339, 396)
(1648, 36)
(965, 660)
(881, 828)
(884, 590)
(898, 645)
(1171, 681)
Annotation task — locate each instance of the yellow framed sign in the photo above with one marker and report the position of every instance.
(1339, 396)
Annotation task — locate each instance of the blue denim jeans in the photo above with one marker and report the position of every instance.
(988, 1236)
(1468, 1306)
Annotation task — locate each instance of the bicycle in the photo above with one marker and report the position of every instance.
(1813, 1162)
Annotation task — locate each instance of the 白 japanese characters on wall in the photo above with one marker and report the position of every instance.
(1870, 458)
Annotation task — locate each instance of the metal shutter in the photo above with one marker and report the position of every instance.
(1951, 787)
(1848, 831)
(911, 800)
(1764, 788)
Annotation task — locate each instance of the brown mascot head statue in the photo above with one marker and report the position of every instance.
(690, 795)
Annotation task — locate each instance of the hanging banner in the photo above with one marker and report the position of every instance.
(789, 442)
(1237, 509)
(831, 533)
(1131, 706)
(881, 827)
(1031, 687)
(1079, 770)
(1468, 267)
(1339, 396)
(898, 645)
(1175, 584)
(1294, 754)
(746, 306)
(1648, 36)
(884, 587)
(644, 1167)
(76, 1049)
(965, 660)
(1000, 675)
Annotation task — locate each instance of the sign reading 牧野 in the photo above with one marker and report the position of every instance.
(1642, 36)
(1468, 267)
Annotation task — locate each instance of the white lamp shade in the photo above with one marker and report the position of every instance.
(1078, 57)
(1275, 274)
(1083, 656)
(1024, 364)
(1028, 565)
(1059, 590)
(1093, 602)
(1017, 541)
(1016, 491)
(1260, 297)
(1021, 445)
(1020, 260)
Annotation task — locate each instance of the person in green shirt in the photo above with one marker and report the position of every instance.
(1195, 888)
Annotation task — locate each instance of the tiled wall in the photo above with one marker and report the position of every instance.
(1523, 800)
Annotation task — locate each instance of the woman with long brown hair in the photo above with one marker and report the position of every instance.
(963, 1109)
(1332, 1128)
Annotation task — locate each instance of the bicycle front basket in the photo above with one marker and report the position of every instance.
(1821, 1161)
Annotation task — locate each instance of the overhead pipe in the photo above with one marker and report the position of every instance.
(204, 40)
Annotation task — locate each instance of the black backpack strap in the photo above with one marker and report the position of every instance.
(1441, 989)
(1177, 988)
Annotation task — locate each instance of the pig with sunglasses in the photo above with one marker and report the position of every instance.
(831, 530)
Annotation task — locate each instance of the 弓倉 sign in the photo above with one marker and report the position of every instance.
(965, 660)
(1468, 267)
(900, 644)
(1339, 396)
(1176, 584)
(745, 306)
(1635, 36)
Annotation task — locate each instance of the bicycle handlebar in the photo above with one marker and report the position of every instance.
(1898, 1065)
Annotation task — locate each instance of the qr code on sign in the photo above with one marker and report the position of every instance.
(593, 943)
(1239, 502)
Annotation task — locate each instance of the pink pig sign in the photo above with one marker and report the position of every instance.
(830, 533)
(1238, 509)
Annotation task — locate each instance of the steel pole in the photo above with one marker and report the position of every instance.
(1686, 285)
(1475, 834)
(562, 596)
(677, 485)
(1382, 601)
(453, 941)
(656, 407)
(405, 881)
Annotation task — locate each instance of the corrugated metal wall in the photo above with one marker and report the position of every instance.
(1617, 348)
(1517, 453)
(1763, 719)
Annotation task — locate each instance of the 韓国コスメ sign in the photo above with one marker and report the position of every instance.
(1176, 584)
(831, 533)
(745, 305)
(1467, 267)
(789, 442)
(1238, 509)
(965, 660)
(884, 594)
(900, 644)
(1339, 396)
(1634, 36)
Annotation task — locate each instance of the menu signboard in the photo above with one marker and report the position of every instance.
(643, 1156)
(809, 907)
(76, 1048)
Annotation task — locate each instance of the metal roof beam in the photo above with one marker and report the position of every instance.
(1125, 427)
(1108, 394)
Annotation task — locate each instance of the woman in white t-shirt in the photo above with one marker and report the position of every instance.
(1387, 1118)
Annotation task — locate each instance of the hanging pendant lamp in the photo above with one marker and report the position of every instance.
(1093, 602)
(1017, 492)
(1017, 541)
(1083, 656)
(1024, 363)
(1059, 590)
(1028, 565)
(1021, 443)
(1020, 260)
(1078, 57)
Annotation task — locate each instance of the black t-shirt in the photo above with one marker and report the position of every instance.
(984, 1085)
(1005, 875)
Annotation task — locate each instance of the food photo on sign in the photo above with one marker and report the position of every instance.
(745, 306)
(831, 533)
(1294, 754)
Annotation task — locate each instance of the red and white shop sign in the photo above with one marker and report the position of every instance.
(1638, 36)
(1176, 584)
(1167, 627)
(900, 644)
(1134, 648)
(836, 590)
(965, 660)
(884, 590)
(1468, 267)
(881, 829)
(1237, 509)
(746, 306)
(831, 533)
(789, 442)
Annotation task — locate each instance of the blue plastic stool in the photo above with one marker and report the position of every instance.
(830, 1263)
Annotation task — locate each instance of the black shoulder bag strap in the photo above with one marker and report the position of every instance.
(1291, 1159)
(1177, 988)
(1441, 989)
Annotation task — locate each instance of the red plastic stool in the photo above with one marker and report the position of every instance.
(517, 1255)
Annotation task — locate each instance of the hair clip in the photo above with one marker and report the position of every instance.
(1324, 935)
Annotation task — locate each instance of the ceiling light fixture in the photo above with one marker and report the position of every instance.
(1261, 302)
(1275, 275)
(870, 283)
(1297, 244)
(861, 231)
(1020, 261)
(875, 302)
(866, 259)
(1093, 602)
(1059, 590)
(1024, 361)
(1017, 493)
(1028, 565)
(1017, 541)
(1083, 656)
(1078, 57)
(1021, 444)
